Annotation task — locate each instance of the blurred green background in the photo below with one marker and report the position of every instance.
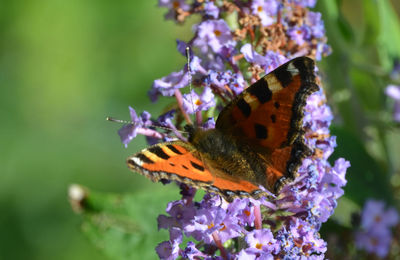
(64, 67)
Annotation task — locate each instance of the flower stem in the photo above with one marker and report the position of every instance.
(179, 99)
(258, 219)
(219, 244)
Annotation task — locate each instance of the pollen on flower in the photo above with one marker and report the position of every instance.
(246, 212)
(259, 8)
(217, 33)
(223, 227)
(259, 246)
(198, 102)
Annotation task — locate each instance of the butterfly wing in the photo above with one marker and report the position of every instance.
(268, 116)
(180, 161)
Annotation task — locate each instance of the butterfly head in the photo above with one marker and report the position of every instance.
(191, 130)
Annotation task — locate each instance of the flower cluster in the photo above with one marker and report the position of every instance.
(375, 235)
(235, 43)
(291, 221)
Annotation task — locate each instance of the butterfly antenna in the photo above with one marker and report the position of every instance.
(118, 120)
(132, 123)
(190, 76)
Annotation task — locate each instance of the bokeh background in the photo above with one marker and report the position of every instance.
(66, 65)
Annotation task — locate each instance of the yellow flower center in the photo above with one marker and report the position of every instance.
(198, 102)
(259, 8)
(259, 246)
(217, 33)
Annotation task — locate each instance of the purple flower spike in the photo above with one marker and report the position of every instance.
(223, 62)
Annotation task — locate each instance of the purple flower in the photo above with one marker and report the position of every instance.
(375, 216)
(191, 252)
(262, 240)
(167, 85)
(129, 131)
(211, 10)
(251, 55)
(193, 102)
(209, 123)
(375, 235)
(266, 10)
(394, 92)
(214, 34)
(316, 25)
(300, 34)
(168, 250)
(269, 62)
(223, 80)
(377, 242)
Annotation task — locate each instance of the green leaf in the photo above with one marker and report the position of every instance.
(389, 38)
(372, 22)
(125, 226)
(366, 178)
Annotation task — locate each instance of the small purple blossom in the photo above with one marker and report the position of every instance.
(167, 85)
(375, 216)
(262, 240)
(193, 102)
(168, 250)
(129, 131)
(214, 34)
(269, 62)
(266, 10)
(223, 80)
(300, 34)
(211, 10)
(375, 235)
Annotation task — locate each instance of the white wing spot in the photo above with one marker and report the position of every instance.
(137, 161)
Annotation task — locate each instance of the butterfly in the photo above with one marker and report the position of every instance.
(258, 140)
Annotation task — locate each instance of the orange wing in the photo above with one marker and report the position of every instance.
(177, 161)
(268, 115)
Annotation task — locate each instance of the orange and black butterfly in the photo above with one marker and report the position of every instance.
(258, 140)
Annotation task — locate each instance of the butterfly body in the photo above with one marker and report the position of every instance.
(258, 140)
(226, 156)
